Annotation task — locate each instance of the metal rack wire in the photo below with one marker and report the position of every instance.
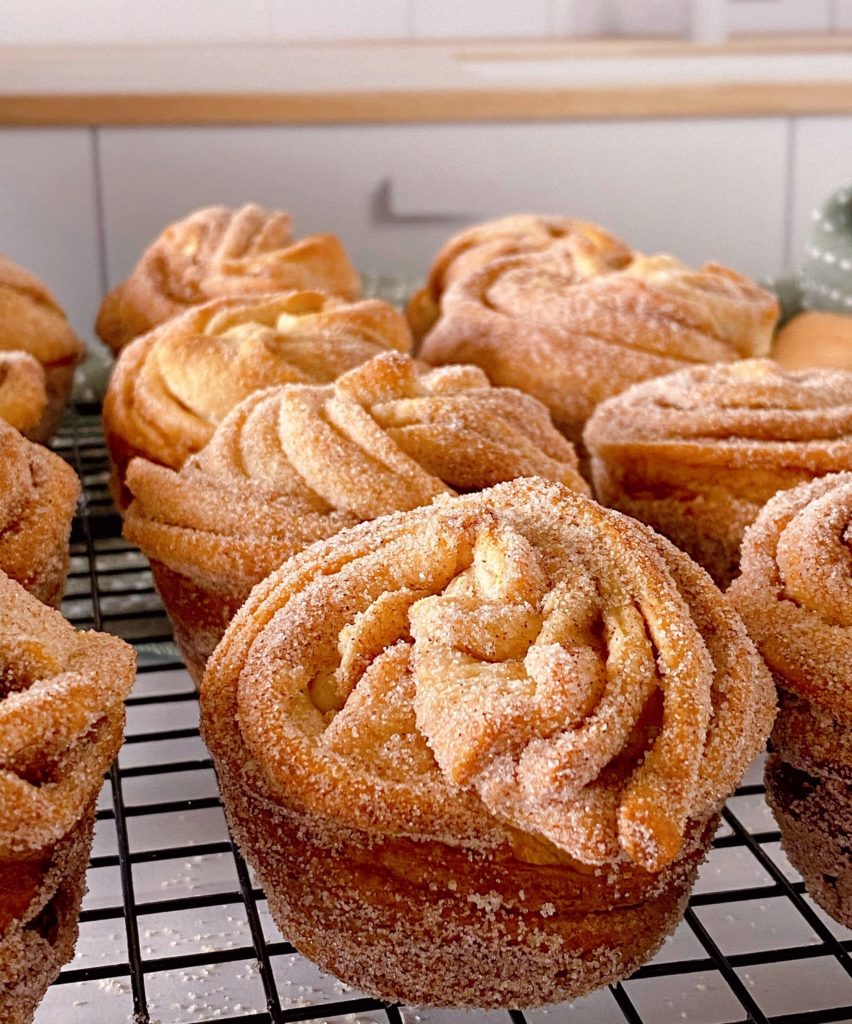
(175, 931)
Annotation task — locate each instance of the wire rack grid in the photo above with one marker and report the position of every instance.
(174, 929)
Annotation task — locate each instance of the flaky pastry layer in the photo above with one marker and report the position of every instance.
(697, 454)
(481, 244)
(296, 463)
(23, 394)
(515, 666)
(173, 386)
(216, 252)
(37, 505)
(795, 591)
(61, 720)
(31, 319)
(576, 322)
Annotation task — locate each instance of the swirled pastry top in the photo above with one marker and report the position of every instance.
(516, 663)
(795, 590)
(292, 464)
(171, 387)
(508, 236)
(572, 327)
(37, 502)
(31, 319)
(217, 252)
(749, 415)
(61, 719)
(23, 396)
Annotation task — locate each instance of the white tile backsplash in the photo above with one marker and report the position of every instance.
(47, 214)
(200, 21)
(842, 15)
(340, 19)
(449, 19)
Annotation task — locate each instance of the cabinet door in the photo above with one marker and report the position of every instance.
(47, 214)
(701, 189)
(822, 162)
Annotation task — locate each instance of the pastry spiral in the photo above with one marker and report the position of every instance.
(37, 504)
(32, 322)
(296, 463)
(216, 252)
(23, 397)
(519, 676)
(171, 388)
(574, 325)
(507, 236)
(795, 592)
(795, 595)
(697, 454)
(61, 720)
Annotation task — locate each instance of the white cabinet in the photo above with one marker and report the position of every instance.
(48, 217)
(822, 162)
(707, 189)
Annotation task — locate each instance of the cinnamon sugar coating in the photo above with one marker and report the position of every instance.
(173, 386)
(580, 319)
(23, 397)
(518, 676)
(483, 243)
(37, 504)
(795, 591)
(216, 252)
(296, 463)
(32, 321)
(61, 721)
(795, 595)
(697, 454)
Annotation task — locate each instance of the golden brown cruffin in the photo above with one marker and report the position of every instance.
(37, 504)
(172, 387)
(296, 463)
(216, 252)
(574, 324)
(795, 596)
(61, 721)
(31, 321)
(814, 813)
(23, 396)
(475, 751)
(507, 236)
(697, 454)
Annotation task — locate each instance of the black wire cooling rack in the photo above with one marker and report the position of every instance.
(174, 930)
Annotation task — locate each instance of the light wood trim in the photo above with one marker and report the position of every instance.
(660, 47)
(441, 106)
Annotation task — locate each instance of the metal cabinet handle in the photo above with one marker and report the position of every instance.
(382, 210)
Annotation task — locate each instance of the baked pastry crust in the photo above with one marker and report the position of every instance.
(297, 463)
(32, 321)
(815, 338)
(61, 721)
(173, 386)
(697, 454)
(795, 595)
(516, 684)
(37, 505)
(481, 244)
(574, 323)
(23, 394)
(217, 252)
(814, 813)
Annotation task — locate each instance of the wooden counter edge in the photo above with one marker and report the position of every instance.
(428, 106)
